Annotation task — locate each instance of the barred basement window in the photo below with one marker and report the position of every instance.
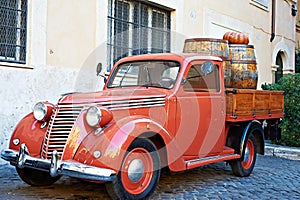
(134, 28)
(13, 30)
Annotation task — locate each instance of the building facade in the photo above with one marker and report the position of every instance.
(48, 48)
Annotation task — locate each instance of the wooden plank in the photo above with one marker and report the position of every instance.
(248, 102)
(262, 104)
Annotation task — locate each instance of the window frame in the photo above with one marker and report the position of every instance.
(138, 38)
(115, 73)
(202, 90)
(15, 50)
(262, 4)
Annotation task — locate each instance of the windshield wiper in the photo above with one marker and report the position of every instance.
(148, 78)
(122, 79)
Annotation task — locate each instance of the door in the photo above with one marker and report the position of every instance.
(201, 110)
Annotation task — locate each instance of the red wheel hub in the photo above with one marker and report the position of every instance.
(137, 171)
(249, 155)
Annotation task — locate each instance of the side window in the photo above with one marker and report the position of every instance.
(198, 80)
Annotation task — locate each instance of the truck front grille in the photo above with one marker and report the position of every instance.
(65, 115)
(59, 128)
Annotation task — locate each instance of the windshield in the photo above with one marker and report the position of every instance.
(160, 74)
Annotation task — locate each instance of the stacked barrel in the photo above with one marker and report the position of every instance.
(239, 60)
(243, 61)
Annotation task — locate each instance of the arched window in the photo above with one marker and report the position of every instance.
(279, 63)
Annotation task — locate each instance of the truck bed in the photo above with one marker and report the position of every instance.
(248, 104)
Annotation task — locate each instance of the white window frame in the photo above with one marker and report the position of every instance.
(263, 4)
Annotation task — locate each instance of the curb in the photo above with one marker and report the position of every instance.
(291, 153)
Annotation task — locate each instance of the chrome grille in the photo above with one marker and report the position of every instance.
(59, 128)
(134, 103)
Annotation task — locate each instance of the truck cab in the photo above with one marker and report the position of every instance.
(155, 111)
(193, 92)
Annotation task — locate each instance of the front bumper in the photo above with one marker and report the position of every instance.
(57, 167)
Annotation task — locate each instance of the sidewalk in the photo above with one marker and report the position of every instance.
(292, 153)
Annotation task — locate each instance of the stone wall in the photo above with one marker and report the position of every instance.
(20, 89)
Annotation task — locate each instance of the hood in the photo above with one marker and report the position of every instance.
(111, 95)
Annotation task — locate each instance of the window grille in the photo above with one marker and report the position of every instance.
(13, 15)
(135, 28)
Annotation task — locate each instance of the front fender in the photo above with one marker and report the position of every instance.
(114, 140)
(29, 132)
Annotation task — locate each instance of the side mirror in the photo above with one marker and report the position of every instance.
(183, 81)
(99, 69)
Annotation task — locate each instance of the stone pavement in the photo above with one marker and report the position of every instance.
(272, 178)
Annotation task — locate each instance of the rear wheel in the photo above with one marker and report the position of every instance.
(139, 173)
(35, 177)
(244, 167)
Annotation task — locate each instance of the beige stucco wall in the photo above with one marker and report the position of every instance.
(76, 29)
(298, 27)
(74, 32)
(285, 39)
(71, 32)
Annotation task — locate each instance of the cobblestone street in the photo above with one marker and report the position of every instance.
(272, 178)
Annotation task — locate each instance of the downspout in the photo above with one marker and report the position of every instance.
(273, 20)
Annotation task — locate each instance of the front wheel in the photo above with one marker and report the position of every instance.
(139, 173)
(35, 177)
(245, 167)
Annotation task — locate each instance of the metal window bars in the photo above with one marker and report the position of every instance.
(13, 20)
(135, 28)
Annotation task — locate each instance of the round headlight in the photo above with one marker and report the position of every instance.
(40, 111)
(93, 116)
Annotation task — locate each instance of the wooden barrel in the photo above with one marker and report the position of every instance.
(227, 72)
(238, 52)
(207, 46)
(244, 74)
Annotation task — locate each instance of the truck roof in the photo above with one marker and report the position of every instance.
(170, 56)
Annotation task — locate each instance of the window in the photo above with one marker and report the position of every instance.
(198, 81)
(151, 73)
(135, 28)
(279, 63)
(13, 30)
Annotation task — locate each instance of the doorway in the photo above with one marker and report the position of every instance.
(279, 63)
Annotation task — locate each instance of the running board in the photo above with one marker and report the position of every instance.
(209, 160)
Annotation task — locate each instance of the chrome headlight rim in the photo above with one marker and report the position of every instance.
(93, 116)
(40, 111)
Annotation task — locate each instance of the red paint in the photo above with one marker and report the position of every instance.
(50, 108)
(140, 185)
(247, 163)
(28, 131)
(107, 116)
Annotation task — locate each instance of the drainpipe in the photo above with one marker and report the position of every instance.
(273, 20)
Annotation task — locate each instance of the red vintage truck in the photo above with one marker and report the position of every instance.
(156, 111)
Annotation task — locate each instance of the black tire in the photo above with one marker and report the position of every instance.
(144, 183)
(243, 168)
(35, 177)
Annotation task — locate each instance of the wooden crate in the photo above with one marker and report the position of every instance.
(254, 103)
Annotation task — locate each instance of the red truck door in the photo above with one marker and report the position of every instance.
(201, 111)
